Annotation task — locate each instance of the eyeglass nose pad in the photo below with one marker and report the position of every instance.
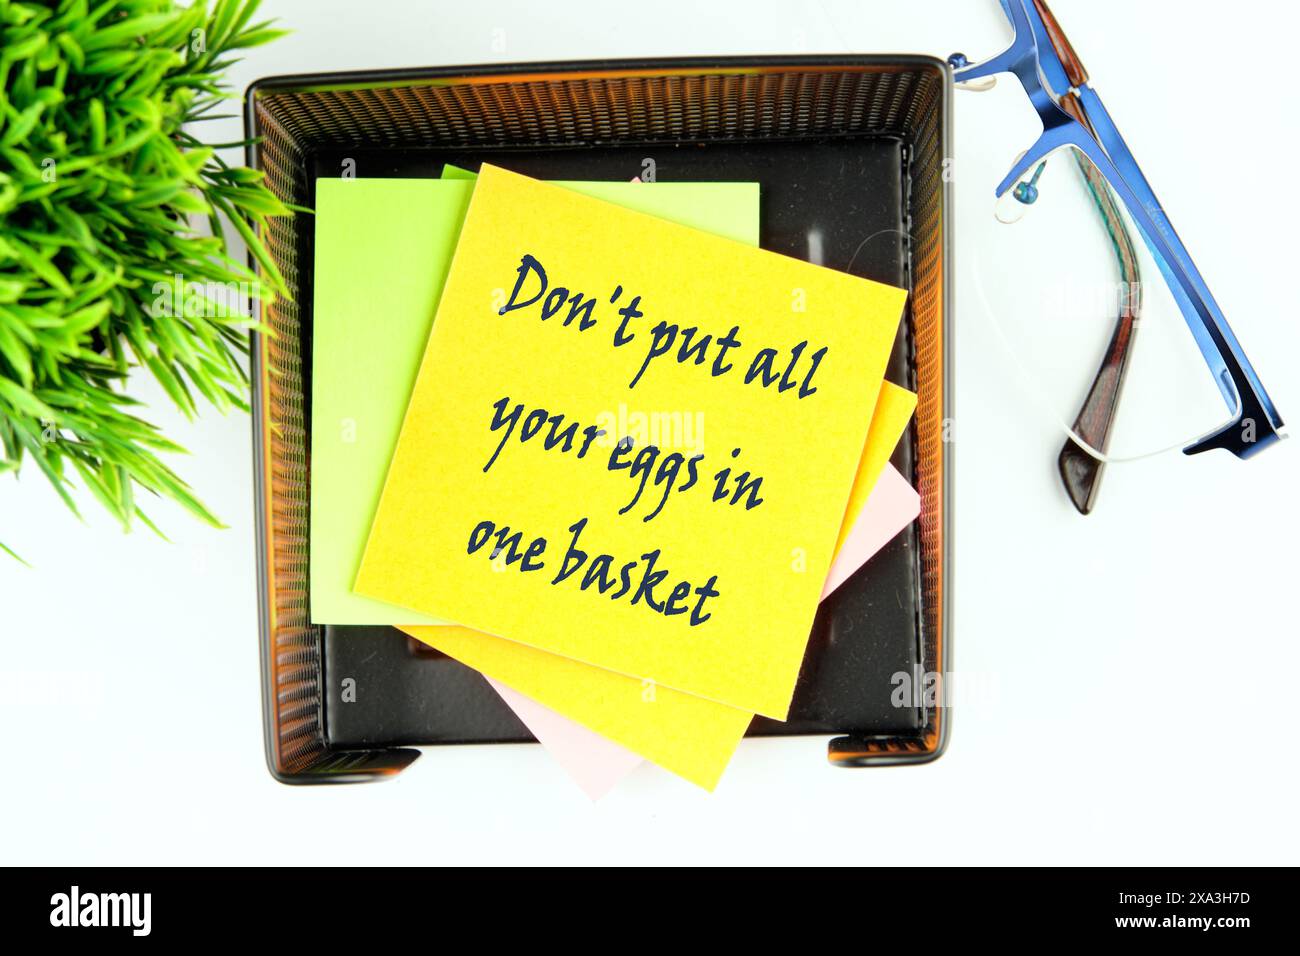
(1008, 210)
(967, 76)
(1014, 204)
(977, 86)
(1046, 144)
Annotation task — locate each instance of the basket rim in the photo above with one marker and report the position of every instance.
(306, 83)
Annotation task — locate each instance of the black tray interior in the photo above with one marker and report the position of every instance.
(841, 202)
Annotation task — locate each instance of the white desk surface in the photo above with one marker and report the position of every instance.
(1166, 730)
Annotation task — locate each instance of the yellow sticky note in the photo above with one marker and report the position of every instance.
(894, 408)
(509, 509)
(687, 735)
(690, 736)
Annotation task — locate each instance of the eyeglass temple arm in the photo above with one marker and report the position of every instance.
(1070, 62)
(1123, 159)
(1103, 127)
(1081, 472)
(1234, 374)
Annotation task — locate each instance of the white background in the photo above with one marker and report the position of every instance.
(1153, 642)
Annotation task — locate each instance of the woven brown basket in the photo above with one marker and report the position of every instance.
(566, 106)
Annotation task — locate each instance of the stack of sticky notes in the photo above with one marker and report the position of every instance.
(592, 441)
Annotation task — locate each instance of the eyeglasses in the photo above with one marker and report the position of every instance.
(1174, 397)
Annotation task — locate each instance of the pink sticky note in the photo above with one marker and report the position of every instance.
(594, 762)
(892, 505)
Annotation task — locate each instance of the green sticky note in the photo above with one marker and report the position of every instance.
(382, 251)
(383, 247)
(727, 209)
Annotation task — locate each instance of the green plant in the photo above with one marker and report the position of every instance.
(100, 191)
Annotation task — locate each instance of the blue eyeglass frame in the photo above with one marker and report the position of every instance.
(1034, 62)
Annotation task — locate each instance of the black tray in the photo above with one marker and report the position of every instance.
(849, 154)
